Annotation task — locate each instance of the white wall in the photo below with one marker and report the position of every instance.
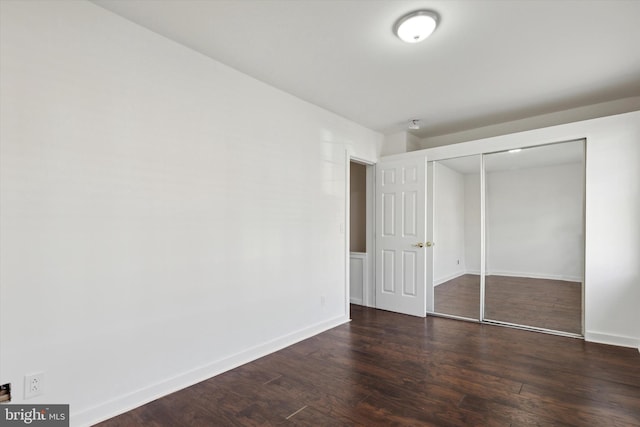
(457, 228)
(163, 217)
(400, 142)
(472, 220)
(413, 142)
(449, 221)
(394, 143)
(534, 222)
(612, 230)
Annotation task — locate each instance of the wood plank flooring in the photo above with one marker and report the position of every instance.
(390, 369)
(543, 303)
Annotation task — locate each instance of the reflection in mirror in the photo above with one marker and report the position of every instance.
(456, 256)
(534, 210)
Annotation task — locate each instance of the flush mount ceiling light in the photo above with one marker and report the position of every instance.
(416, 26)
(414, 125)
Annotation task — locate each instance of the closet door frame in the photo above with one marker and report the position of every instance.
(483, 248)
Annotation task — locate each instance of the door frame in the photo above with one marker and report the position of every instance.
(368, 297)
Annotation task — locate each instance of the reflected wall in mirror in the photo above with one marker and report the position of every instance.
(534, 219)
(456, 253)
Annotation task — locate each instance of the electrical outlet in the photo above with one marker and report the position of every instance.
(33, 385)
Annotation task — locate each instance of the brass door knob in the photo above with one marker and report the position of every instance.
(419, 245)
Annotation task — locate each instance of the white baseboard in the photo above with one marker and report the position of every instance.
(357, 301)
(535, 276)
(441, 280)
(609, 339)
(145, 395)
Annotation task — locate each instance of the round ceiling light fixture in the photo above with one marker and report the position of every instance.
(416, 26)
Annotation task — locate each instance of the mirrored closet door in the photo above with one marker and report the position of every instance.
(534, 238)
(456, 236)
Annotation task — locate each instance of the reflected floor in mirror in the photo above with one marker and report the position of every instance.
(459, 297)
(543, 303)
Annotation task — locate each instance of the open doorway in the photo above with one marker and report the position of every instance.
(360, 240)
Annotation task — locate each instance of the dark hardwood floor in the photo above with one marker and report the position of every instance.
(543, 303)
(390, 369)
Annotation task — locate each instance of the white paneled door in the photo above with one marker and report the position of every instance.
(400, 236)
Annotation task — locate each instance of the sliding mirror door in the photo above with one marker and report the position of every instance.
(534, 239)
(456, 237)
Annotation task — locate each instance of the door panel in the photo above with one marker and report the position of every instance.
(535, 237)
(409, 274)
(388, 275)
(409, 223)
(388, 214)
(455, 199)
(400, 236)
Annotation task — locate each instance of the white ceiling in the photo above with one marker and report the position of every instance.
(488, 62)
